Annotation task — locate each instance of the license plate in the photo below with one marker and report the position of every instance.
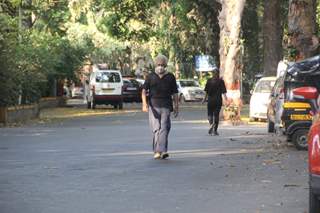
(131, 88)
(199, 97)
(300, 117)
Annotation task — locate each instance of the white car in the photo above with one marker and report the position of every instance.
(260, 98)
(105, 87)
(189, 90)
(77, 92)
(141, 81)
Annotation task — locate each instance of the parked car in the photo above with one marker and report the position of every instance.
(275, 106)
(311, 94)
(189, 90)
(105, 87)
(259, 100)
(141, 81)
(77, 92)
(295, 118)
(131, 90)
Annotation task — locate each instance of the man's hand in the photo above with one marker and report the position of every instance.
(144, 101)
(145, 108)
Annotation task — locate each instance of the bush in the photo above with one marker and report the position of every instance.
(32, 62)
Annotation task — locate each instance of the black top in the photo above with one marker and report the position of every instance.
(161, 89)
(215, 87)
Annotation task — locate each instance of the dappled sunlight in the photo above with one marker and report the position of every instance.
(77, 112)
(190, 121)
(185, 153)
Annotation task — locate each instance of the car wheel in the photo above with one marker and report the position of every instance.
(300, 139)
(270, 126)
(115, 106)
(314, 203)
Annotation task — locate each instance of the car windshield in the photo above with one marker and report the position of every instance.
(188, 84)
(264, 87)
(108, 77)
(131, 82)
(134, 82)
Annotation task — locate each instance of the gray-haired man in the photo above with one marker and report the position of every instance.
(162, 88)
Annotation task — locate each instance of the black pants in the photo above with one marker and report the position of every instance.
(213, 115)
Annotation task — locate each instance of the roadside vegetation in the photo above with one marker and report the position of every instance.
(45, 43)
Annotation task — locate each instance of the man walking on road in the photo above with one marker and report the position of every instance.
(215, 88)
(162, 88)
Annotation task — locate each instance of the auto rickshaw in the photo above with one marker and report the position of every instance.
(297, 114)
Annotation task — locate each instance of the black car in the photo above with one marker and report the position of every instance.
(286, 113)
(131, 90)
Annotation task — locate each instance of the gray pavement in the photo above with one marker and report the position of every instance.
(104, 164)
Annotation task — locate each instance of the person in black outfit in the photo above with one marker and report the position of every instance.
(162, 88)
(215, 88)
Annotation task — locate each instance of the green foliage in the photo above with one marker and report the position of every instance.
(31, 59)
(65, 33)
(128, 19)
(253, 46)
(318, 15)
(51, 16)
(183, 29)
(8, 75)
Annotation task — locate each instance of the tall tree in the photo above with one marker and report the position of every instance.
(272, 37)
(230, 46)
(303, 41)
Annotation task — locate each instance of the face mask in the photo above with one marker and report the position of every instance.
(160, 70)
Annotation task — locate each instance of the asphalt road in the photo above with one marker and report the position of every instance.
(104, 164)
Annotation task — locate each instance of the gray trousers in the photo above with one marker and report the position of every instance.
(160, 123)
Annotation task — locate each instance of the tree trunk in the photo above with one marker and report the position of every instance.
(272, 37)
(230, 47)
(302, 41)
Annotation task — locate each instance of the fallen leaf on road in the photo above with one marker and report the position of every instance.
(271, 162)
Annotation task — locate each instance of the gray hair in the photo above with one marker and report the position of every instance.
(161, 58)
